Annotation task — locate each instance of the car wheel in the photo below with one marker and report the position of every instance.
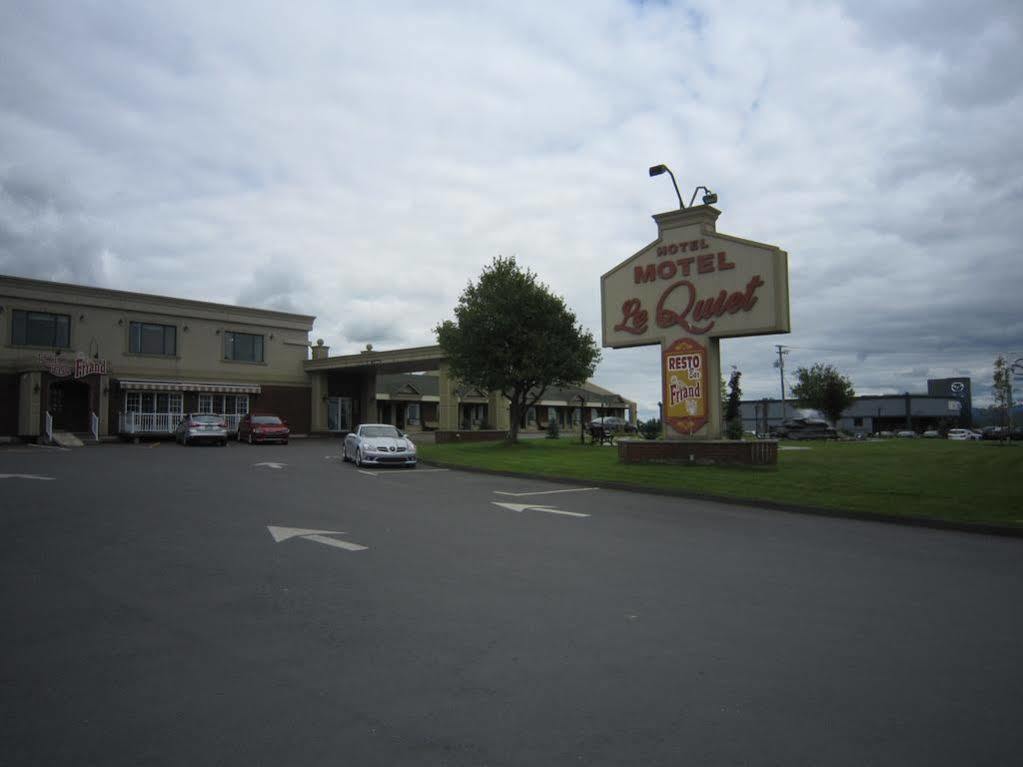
(250, 437)
(358, 457)
(184, 440)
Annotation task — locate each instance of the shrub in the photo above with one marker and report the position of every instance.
(650, 429)
(553, 430)
(733, 429)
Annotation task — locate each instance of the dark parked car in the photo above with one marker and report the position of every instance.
(1001, 433)
(263, 428)
(804, 428)
(613, 424)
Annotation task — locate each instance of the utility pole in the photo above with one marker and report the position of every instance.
(780, 364)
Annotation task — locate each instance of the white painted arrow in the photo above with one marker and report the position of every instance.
(520, 507)
(317, 536)
(24, 476)
(271, 464)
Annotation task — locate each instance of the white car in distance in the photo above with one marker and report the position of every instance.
(962, 434)
(378, 444)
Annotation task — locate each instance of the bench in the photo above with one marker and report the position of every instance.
(600, 435)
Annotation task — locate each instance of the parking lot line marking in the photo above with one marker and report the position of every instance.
(368, 473)
(24, 476)
(548, 492)
(155, 444)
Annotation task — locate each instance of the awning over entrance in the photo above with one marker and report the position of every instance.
(200, 386)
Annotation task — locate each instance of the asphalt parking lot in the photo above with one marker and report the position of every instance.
(271, 605)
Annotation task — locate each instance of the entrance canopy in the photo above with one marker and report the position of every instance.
(412, 360)
(200, 386)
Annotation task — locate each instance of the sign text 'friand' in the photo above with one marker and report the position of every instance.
(74, 367)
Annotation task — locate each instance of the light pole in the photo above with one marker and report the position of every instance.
(780, 364)
(709, 198)
(657, 170)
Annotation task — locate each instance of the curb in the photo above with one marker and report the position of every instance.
(933, 523)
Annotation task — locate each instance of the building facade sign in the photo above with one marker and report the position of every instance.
(685, 291)
(77, 367)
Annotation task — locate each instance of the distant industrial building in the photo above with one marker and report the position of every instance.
(948, 403)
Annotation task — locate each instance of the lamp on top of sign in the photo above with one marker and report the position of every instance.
(686, 290)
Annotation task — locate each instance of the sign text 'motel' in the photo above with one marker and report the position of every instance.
(684, 291)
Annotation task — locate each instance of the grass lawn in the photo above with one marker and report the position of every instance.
(961, 481)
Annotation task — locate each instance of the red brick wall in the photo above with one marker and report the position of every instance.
(292, 403)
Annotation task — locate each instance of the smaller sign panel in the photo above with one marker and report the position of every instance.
(685, 385)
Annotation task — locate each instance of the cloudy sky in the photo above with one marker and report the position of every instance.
(363, 161)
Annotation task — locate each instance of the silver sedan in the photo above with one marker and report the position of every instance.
(201, 427)
(376, 444)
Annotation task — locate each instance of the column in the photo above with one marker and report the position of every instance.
(713, 428)
(318, 402)
(497, 411)
(29, 404)
(104, 405)
(368, 397)
(447, 407)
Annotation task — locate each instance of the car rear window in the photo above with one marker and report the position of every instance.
(268, 419)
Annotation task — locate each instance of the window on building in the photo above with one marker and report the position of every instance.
(40, 329)
(857, 421)
(243, 347)
(412, 413)
(153, 402)
(531, 415)
(224, 404)
(150, 338)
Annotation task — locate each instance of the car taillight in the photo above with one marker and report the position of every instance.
(193, 425)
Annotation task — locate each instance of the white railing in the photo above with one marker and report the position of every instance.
(94, 426)
(148, 423)
(164, 423)
(49, 428)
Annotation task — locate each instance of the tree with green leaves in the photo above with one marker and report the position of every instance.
(511, 334)
(1002, 389)
(733, 414)
(823, 388)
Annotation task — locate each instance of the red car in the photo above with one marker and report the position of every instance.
(263, 428)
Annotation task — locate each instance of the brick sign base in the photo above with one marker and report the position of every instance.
(711, 452)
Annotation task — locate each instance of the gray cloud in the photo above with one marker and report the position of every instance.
(193, 149)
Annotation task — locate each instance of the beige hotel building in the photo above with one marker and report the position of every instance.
(102, 363)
